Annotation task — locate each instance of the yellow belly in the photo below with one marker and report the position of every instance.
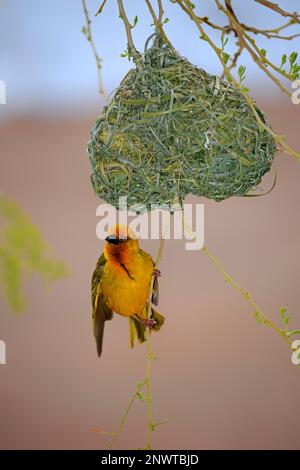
(125, 295)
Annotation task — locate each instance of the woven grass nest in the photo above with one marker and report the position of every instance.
(172, 129)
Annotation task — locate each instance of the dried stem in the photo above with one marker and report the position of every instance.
(87, 30)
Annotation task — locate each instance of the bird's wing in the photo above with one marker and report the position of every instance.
(101, 312)
(155, 290)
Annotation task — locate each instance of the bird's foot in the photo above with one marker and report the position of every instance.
(156, 273)
(149, 323)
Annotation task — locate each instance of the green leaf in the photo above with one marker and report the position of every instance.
(263, 52)
(241, 73)
(135, 21)
(285, 318)
(259, 318)
(141, 396)
(11, 281)
(283, 60)
(140, 384)
(166, 20)
(295, 71)
(226, 57)
(224, 40)
(293, 57)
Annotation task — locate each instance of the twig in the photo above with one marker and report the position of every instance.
(185, 5)
(87, 30)
(272, 33)
(236, 58)
(256, 54)
(160, 11)
(131, 402)
(128, 27)
(158, 21)
(150, 427)
(277, 9)
(263, 318)
(101, 8)
(245, 294)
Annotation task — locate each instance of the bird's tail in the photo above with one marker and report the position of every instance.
(137, 330)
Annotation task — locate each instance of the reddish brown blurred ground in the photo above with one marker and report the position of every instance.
(221, 380)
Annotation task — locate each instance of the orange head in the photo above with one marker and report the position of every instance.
(120, 240)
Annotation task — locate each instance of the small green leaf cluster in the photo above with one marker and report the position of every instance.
(23, 251)
(293, 68)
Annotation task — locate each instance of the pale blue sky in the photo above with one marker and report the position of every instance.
(48, 66)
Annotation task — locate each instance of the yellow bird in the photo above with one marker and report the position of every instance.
(121, 283)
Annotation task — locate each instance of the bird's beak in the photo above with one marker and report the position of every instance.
(112, 239)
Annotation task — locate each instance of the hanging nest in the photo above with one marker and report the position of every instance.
(172, 129)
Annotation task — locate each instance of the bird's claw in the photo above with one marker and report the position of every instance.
(156, 273)
(149, 323)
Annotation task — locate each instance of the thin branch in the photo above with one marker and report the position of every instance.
(275, 30)
(150, 427)
(275, 7)
(204, 19)
(128, 27)
(256, 55)
(271, 33)
(121, 425)
(268, 33)
(160, 11)
(101, 8)
(260, 315)
(185, 5)
(236, 58)
(158, 21)
(247, 296)
(87, 31)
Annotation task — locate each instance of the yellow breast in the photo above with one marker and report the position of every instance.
(126, 287)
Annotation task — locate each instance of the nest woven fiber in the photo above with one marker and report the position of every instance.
(172, 129)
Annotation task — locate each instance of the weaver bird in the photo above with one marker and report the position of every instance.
(121, 283)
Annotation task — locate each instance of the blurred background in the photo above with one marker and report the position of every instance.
(221, 380)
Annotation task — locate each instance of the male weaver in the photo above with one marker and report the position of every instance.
(121, 283)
